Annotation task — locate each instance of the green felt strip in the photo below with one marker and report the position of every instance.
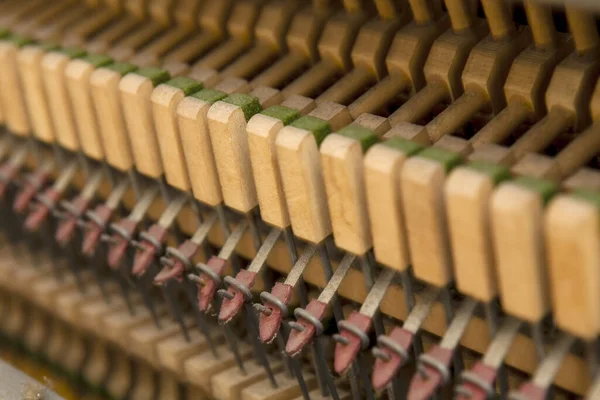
(448, 159)
(98, 60)
(545, 188)
(407, 147)
(19, 40)
(47, 47)
(284, 114)
(588, 196)
(366, 137)
(122, 68)
(156, 75)
(73, 52)
(497, 173)
(188, 85)
(319, 128)
(249, 104)
(209, 96)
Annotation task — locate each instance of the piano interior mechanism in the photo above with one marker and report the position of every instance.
(271, 200)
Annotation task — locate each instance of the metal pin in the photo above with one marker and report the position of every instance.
(95, 223)
(239, 288)
(478, 382)
(540, 385)
(538, 339)
(152, 240)
(309, 319)
(491, 315)
(354, 331)
(150, 247)
(46, 202)
(118, 245)
(393, 350)
(239, 294)
(275, 308)
(76, 208)
(124, 230)
(99, 218)
(446, 299)
(32, 185)
(11, 168)
(208, 279)
(433, 368)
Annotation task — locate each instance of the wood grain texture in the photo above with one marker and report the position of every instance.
(135, 93)
(517, 214)
(342, 162)
(11, 91)
(113, 131)
(197, 150)
(30, 66)
(467, 193)
(287, 388)
(173, 351)
(77, 76)
(572, 230)
(230, 383)
(382, 166)
(227, 127)
(262, 131)
(200, 368)
(301, 174)
(422, 194)
(165, 100)
(53, 67)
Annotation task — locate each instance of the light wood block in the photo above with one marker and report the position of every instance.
(342, 161)
(53, 66)
(121, 376)
(36, 334)
(173, 351)
(584, 178)
(229, 384)
(421, 186)
(56, 340)
(468, 193)
(382, 166)
(146, 385)
(197, 150)
(68, 303)
(168, 387)
(517, 215)
(91, 314)
(572, 231)
(74, 350)
(77, 76)
(377, 124)
(143, 339)
(200, 368)
(136, 91)
(287, 388)
(47, 290)
(301, 174)
(227, 127)
(11, 91)
(165, 99)
(30, 66)
(97, 364)
(116, 326)
(113, 131)
(262, 131)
